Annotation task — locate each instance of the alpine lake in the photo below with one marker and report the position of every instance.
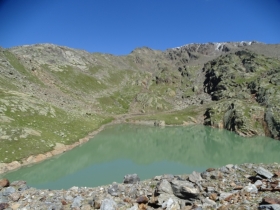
(147, 151)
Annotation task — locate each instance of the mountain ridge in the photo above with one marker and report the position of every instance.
(75, 92)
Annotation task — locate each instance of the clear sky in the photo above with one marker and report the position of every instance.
(119, 26)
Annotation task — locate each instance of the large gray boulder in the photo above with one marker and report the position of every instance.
(184, 189)
(164, 186)
(263, 172)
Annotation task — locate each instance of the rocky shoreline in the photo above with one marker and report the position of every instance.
(245, 186)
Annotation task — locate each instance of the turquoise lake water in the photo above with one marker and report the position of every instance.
(148, 151)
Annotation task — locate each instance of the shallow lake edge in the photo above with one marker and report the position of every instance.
(61, 148)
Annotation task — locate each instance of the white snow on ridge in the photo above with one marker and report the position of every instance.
(217, 45)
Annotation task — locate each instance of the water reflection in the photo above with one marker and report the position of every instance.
(148, 151)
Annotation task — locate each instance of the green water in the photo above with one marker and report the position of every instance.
(147, 151)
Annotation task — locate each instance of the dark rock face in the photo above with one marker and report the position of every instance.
(272, 124)
(244, 78)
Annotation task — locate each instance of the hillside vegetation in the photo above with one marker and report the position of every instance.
(52, 94)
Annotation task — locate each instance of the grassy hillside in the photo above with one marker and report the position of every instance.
(52, 94)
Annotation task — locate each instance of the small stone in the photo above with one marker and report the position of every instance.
(157, 178)
(195, 177)
(263, 172)
(213, 196)
(224, 195)
(3, 206)
(97, 203)
(224, 169)
(3, 199)
(251, 188)
(208, 202)
(210, 169)
(77, 202)
(86, 207)
(258, 183)
(14, 196)
(23, 188)
(277, 173)
(205, 174)
(142, 199)
(15, 206)
(113, 190)
(164, 187)
(238, 187)
(169, 177)
(108, 204)
(267, 200)
(210, 189)
(63, 202)
(9, 190)
(170, 204)
(229, 166)
(232, 184)
(270, 207)
(69, 198)
(131, 179)
(135, 207)
(127, 200)
(142, 206)
(4, 183)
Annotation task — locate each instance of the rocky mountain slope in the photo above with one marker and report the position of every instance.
(52, 94)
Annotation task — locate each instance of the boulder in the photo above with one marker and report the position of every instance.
(164, 187)
(195, 177)
(184, 189)
(264, 173)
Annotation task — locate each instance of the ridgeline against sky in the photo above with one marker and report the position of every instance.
(118, 27)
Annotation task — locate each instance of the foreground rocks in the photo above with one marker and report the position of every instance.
(246, 186)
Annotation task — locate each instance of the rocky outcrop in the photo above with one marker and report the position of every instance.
(249, 81)
(246, 186)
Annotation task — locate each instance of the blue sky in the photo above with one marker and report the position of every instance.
(119, 26)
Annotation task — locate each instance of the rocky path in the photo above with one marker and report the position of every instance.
(246, 186)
